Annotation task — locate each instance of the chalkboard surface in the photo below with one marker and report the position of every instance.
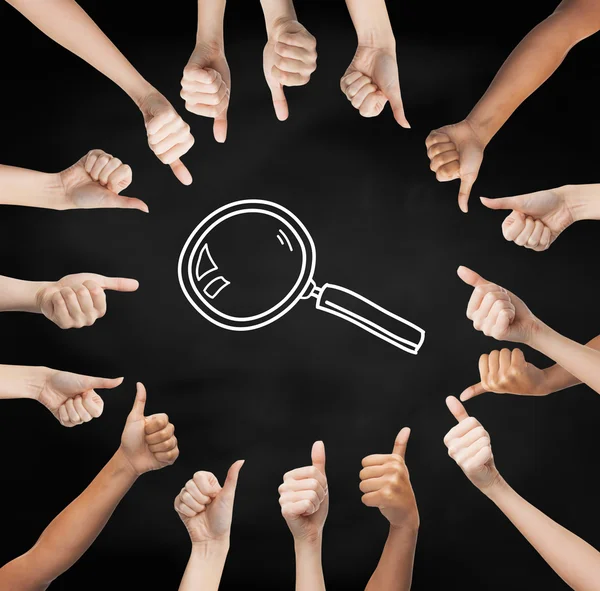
(382, 226)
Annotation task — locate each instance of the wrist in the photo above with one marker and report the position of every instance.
(22, 381)
(582, 201)
(481, 128)
(277, 13)
(377, 37)
(32, 295)
(140, 94)
(539, 335)
(495, 491)
(411, 523)
(124, 464)
(210, 549)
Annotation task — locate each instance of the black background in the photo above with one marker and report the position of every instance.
(382, 225)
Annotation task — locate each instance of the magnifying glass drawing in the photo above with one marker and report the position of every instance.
(250, 262)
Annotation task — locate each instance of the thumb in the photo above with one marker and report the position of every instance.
(139, 405)
(470, 277)
(280, 102)
(220, 127)
(112, 200)
(317, 455)
(466, 184)
(395, 98)
(92, 383)
(181, 172)
(456, 408)
(502, 202)
(473, 391)
(231, 481)
(401, 442)
(119, 283)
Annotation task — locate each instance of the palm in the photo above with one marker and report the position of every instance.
(60, 387)
(523, 324)
(81, 190)
(309, 526)
(213, 523)
(378, 65)
(484, 476)
(469, 147)
(549, 208)
(133, 442)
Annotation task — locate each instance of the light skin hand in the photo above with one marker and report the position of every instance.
(148, 443)
(79, 300)
(289, 58)
(304, 497)
(169, 136)
(496, 312)
(95, 181)
(507, 372)
(456, 152)
(372, 80)
(537, 219)
(385, 484)
(206, 508)
(72, 398)
(206, 86)
(470, 447)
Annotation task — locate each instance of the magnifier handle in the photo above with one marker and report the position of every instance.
(358, 310)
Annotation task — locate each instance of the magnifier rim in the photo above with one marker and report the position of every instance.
(285, 304)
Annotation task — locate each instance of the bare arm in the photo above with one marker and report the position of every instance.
(395, 569)
(19, 186)
(205, 566)
(532, 62)
(72, 532)
(309, 567)
(372, 22)
(19, 296)
(65, 22)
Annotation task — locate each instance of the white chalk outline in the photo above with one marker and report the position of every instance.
(308, 289)
(214, 295)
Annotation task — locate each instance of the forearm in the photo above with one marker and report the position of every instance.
(583, 201)
(19, 186)
(211, 14)
(68, 24)
(73, 531)
(558, 378)
(581, 361)
(372, 23)
(309, 567)
(574, 560)
(205, 566)
(22, 382)
(277, 10)
(19, 296)
(395, 568)
(531, 63)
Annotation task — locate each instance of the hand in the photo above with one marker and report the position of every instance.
(148, 443)
(206, 86)
(72, 398)
(385, 483)
(169, 135)
(79, 300)
(304, 497)
(456, 151)
(537, 219)
(289, 59)
(506, 372)
(95, 181)
(372, 80)
(496, 312)
(470, 447)
(205, 508)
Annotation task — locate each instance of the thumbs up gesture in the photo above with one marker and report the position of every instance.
(304, 497)
(205, 507)
(385, 483)
(470, 447)
(497, 312)
(148, 443)
(537, 219)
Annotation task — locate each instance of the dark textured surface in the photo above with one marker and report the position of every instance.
(382, 226)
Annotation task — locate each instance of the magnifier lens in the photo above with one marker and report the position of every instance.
(247, 264)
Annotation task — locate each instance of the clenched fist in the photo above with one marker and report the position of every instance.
(289, 59)
(206, 508)
(537, 219)
(470, 447)
(72, 398)
(304, 497)
(496, 312)
(206, 86)
(456, 152)
(507, 372)
(385, 483)
(79, 300)
(95, 181)
(372, 80)
(169, 136)
(148, 443)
